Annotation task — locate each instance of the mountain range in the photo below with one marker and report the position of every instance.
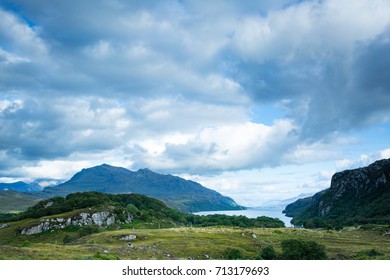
(35, 186)
(178, 193)
(357, 196)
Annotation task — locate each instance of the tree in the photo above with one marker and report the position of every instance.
(268, 253)
(232, 254)
(296, 249)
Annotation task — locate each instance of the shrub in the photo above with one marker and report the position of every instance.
(268, 253)
(104, 256)
(232, 254)
(132, 210)
(296, 249)
(368, 254)
(87, 230)
(26, 243)
(71, 228)
(67, 239)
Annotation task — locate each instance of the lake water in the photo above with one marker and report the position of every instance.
(273, 212)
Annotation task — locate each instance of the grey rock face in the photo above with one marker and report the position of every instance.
(37, 229)
(101, 219)
(358, 182)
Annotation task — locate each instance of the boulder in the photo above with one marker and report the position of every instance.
(128, 237)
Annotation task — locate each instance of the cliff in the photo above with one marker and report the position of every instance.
(360, 195)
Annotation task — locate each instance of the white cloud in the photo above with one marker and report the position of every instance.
(21, 38)
(311, 30)
(362, 160)
(218, 148)
(10, 105)
(102, 49)
(58, 169)
(384, 154)
(171, 86)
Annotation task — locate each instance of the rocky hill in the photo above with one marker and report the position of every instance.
(183, 195)
(355, 196)
(90, 212)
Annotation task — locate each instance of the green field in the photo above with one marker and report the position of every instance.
(188, 243)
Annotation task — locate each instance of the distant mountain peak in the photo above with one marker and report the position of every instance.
(105, 165)
(145, 170)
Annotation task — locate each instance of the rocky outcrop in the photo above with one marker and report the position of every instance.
(128, 237)
(101, 218)
(357, 196)
(353, 186)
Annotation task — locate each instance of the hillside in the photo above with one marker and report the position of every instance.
(360, 196)
(183, 195)
(79, 212)
(13, 201)
(131, 226)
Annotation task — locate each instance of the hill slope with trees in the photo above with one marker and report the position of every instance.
(357, 196)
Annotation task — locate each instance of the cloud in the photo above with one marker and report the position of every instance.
(227, 147)
(173, 85)
(311, 54)
(363, 160)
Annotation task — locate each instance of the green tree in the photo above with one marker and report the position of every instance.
(268, 253)
(296, 249)
(232, 254)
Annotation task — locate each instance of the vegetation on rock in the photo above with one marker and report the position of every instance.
(355, 197)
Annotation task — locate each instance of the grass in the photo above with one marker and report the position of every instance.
(187, 243)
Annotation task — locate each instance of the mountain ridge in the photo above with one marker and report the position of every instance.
(176, 192)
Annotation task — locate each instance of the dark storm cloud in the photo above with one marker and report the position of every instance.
(353, 96)
(372, 71)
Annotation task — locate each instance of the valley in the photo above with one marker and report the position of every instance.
(94, 215)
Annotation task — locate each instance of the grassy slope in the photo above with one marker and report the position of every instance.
(184, 243)
(12, 201)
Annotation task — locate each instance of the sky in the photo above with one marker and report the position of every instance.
(259, 100)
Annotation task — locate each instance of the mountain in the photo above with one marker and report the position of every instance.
(359, 196)
(178, 193)
(283, 202)
(18, 186)
(40, 184)
(35, 186)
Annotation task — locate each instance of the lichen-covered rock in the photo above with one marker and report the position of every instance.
(37, 229)
(101, 219)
